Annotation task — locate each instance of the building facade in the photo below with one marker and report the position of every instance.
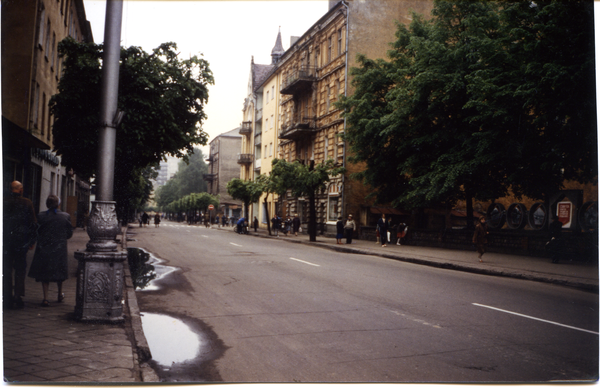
(299, 101)
(31, 70)
(222, 167)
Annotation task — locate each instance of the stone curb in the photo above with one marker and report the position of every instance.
(142, 348)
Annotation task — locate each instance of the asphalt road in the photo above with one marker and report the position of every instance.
(274, 311)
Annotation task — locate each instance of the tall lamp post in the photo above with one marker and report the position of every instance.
(100, 269)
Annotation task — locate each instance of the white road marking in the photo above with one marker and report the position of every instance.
(203, 235)
(237, 245)
(536, 319)
(305, 262)
(416, 320)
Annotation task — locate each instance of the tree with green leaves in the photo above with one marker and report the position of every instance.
(187, 180)
(162, 96)
(455, 114)
(304, 180)
(246, 191)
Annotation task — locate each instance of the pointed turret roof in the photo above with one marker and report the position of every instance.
(278, 50)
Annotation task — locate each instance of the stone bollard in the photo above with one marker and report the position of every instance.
(100, 273)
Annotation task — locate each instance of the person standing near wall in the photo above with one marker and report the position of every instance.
(19, 233)
(349, 229)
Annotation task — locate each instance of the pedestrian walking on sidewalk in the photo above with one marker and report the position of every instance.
(50, 261)
(156, 220)
(255, 224)
(480, 237)
(382, 226)
(349, 229)
(276, 223)
(296, 224)
(339, 230)
(401, 232)
(19, 233)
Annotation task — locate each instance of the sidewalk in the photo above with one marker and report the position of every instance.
(44, 344)
(572, 274)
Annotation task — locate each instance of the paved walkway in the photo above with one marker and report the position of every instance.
(48, 345)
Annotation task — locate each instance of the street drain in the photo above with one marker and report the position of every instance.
(170, 340)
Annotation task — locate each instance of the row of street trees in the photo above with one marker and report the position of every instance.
(163, 99)
(191, 204)
(482, 100)
(298, 178)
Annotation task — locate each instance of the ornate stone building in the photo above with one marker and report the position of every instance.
(31, 69)
(308, 79)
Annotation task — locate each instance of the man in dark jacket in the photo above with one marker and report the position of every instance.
(19, 236)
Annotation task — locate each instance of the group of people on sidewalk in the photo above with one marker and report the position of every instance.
(48, 232)
(287, 226)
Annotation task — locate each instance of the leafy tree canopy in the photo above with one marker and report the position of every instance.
(246, 191)
(162, 96)
(483, 98)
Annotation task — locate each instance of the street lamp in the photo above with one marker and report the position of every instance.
(100, 270)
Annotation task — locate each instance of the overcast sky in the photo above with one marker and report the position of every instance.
(227, 33)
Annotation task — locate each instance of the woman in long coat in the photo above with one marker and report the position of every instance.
(50, 261)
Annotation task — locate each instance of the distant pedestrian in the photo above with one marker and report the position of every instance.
(349, 228)
(296, 224)
(145, 218)
(19, 233)
(255, 224)
(339, 230)
(556, 244)
(287, 226)
(50, 261)
(382, 226)
(224, 220)
(276, 224)
(156, 220)
(480, 237)
(217, 221)
(401, 231)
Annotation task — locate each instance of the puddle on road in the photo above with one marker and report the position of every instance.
(146, 269)
(170, 340)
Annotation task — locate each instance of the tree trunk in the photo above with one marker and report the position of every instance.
(312, 218)
(267, 214)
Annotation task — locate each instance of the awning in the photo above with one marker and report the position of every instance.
(15, 136)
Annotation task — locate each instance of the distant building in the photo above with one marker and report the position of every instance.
(166, 170)
(31, 69)
(222, 167)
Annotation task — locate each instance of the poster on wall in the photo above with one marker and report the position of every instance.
(564, 212)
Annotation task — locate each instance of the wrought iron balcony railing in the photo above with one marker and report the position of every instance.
(298, 80)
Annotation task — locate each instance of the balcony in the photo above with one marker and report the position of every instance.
(246, 128)
(245, 158)
(299, 129)
(209, 177)
(299, 81)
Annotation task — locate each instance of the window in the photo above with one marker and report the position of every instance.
(36, 105)
(41, 28)
(267, 99)
(47, 42)
(326, 148)
(327, 100)
(266, 125)
(272, 92)
(272, 120)
(334, 208)
(52, 52)
(265, 151)
(339, 50)
(329, 43)
(271, 149)
(43, 126)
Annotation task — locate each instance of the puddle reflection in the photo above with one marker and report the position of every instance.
(145, 269)
(171, 341)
